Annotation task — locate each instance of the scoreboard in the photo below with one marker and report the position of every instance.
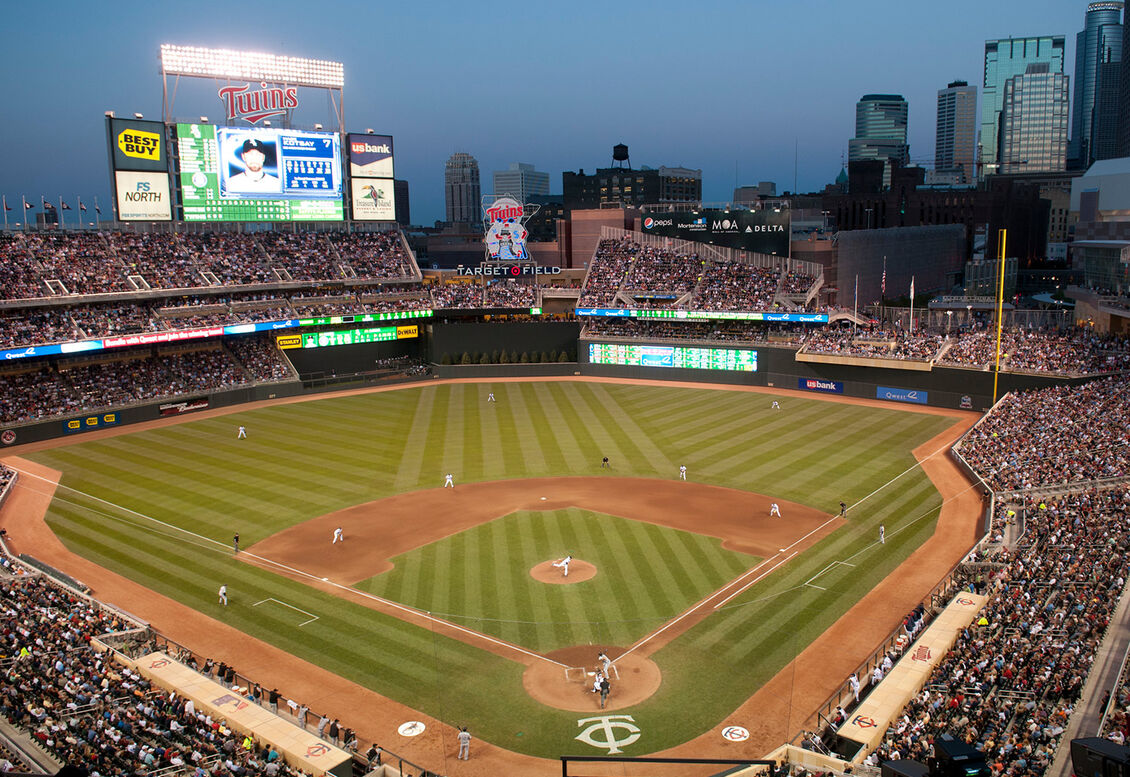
(738, 359)
(302, 178)
(376, 334)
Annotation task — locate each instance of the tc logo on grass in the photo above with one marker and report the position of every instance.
(607, 724)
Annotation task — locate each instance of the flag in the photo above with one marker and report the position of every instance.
(46, 204)
(7, 207)
(97, 209)
(28, 205)
(912, 287)
(81, 206)
(883, 288)
(65, 206)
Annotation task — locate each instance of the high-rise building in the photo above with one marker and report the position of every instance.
(1004, 59)
(462, 193)
(880, 132)
(1099, 43)
(955, 150)
(521, 182)
(1033, 124)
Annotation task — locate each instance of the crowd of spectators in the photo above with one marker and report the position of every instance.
(1071, 352)
(510, 293)
(103, 262)
(1051, 436)
(456, 295)
(662, 271)
(736, 286)
(606, 273)
(91, 712)
(874, 343)
(795, 282)
(136, 376)
(1010, 682)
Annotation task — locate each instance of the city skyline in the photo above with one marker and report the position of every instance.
(735, 91)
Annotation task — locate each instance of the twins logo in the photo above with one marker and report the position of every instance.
(607, 724)
(506, 235)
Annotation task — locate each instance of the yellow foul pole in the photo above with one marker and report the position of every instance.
(1000, 310)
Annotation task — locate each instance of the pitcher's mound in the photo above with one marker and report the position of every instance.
(634, 679)
(579, 571)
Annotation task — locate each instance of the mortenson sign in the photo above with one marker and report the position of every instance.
(761, 231)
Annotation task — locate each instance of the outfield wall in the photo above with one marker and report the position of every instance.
(777, 367)
(455, 339)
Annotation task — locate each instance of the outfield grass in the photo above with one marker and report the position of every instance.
(306, 459)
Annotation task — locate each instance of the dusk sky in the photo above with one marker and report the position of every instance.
(731, 88)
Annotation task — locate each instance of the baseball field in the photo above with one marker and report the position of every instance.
(445, 600)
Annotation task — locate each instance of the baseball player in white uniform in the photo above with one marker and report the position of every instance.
(774, 509)
(224, 594)
(683, 471)
(563, 565)
(776, 405)
(490, 397)
(449, 481)
(339, 536)
(882, 535)
(241, 434)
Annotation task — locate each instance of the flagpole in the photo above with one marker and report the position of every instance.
(5, 198)
(912, 304)
(855, 305)
(24, 198)
(62, 224)
(1003, 241)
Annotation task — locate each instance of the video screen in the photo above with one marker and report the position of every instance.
(259, 174)
(673, 356)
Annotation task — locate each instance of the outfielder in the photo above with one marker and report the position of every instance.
(490, 397)
(449, 481)
(776, 405)
(563, 565)
(241, 434)
(683, 471)
(882, 535)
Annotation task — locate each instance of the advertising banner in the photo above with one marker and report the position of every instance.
(817, 384)
(177, 408)
(370, 156)
(143, 196)
(901, 395)
(138, 145)
(75, 425)
(373, 199)
(762, 231)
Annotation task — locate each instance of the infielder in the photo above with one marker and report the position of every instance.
(563, 565)
(224, 594)
(449, 481)
(683, 471)
(241, 434)
(339, 536)
(464, 735)
(774, 510)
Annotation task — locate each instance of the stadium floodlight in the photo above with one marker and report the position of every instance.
(109, 114)
(317, 126)
(251, 66)
(203, 119)
(369, 130)
(139, 115)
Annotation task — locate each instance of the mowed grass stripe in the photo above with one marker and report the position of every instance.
(571, 453)
(534, 447)
(412, 456)
(622, 417)
(497, 458)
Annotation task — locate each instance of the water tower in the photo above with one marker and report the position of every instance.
(620, 156)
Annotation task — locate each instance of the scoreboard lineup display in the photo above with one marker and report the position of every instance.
(377, 334)
(673, 356)
(303, 180)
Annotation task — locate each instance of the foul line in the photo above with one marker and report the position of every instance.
(313, 617)
(300, 573)
(756, 579)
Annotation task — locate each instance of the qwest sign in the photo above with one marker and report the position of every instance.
(241, 102)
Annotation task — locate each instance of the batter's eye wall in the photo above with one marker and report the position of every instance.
(459, 338)
(351, 359)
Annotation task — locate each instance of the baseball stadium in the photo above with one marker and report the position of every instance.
(284, 501)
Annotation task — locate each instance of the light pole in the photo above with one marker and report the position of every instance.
(949, 320)
(869, 210)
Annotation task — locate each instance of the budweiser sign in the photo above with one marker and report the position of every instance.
(242, 103)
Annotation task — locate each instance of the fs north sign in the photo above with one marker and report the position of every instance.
(241, 102)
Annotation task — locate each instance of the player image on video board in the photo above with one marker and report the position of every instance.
(279, 164)
(258, 159)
